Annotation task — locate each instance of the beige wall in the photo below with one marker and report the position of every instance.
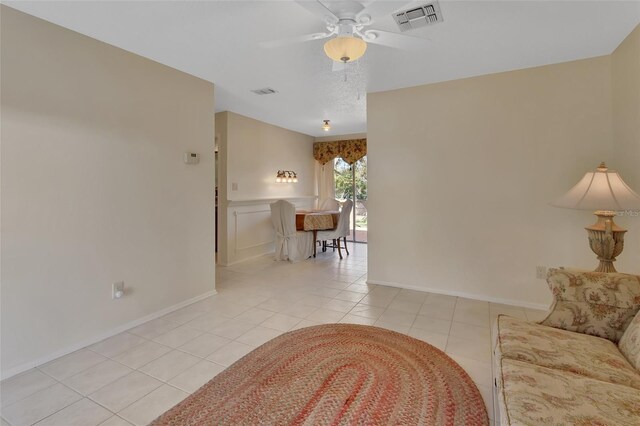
(461, 174)
(95, 190)
(251, 152)
(626, 137)
(257, 150)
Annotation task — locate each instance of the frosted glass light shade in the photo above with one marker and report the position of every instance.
(603, 189)
(345, 48)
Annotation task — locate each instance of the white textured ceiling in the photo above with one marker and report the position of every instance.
(219, 41)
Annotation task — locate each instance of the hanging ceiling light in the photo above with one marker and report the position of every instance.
(345, 48)
(327, 125)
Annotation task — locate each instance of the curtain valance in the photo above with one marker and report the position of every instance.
(349, 150)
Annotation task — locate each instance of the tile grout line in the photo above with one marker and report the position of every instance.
(455, 306)
(108, 358)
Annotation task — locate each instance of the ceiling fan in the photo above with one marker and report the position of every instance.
(351, 28)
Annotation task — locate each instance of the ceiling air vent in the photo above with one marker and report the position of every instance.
(417, 17)
(265, 91)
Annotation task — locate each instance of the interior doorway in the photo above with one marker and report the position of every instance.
(351, 184)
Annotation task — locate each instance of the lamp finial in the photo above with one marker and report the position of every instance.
(602, 167)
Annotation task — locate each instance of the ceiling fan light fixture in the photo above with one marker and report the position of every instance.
(345, 48)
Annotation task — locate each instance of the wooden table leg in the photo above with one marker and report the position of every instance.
(315, 235)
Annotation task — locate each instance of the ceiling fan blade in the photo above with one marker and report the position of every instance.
(320, 10)
(398, 41)
(292, 40)
(378, 9)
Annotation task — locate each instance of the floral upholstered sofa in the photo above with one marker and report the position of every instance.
(580, 365)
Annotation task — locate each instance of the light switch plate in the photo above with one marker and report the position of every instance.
(191, 158)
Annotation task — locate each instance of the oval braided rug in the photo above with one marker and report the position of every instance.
(336, 374)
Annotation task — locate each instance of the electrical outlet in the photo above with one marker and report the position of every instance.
(234, 186)
(541, 272)
(117, 290)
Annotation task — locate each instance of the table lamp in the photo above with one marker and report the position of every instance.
(605, 192)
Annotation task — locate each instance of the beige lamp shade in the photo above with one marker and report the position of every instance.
(345, 48)
(602, 189)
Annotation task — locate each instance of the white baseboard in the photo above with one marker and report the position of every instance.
(484, 298)
(244, 259)
(97, 338)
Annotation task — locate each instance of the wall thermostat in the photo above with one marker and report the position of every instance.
(191, 158)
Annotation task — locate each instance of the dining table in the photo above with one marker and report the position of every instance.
(316, 220)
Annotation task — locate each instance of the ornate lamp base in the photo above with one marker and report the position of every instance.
(606, 240)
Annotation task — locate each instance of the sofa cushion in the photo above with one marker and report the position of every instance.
(597, 303)
(577, 353)
(630, 342)
(535, 395)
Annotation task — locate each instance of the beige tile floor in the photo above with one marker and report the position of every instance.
(135, 376)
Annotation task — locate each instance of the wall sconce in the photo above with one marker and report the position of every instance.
(286, 176)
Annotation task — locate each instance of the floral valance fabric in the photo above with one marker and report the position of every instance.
(349, 150)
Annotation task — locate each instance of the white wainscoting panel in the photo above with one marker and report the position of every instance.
(249, 229)
(253, 229)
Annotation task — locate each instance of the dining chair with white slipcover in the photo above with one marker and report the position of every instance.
(291, 244)
(341, 230)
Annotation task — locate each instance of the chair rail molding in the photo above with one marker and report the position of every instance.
(269, 200)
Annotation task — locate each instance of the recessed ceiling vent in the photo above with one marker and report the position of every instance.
(265, 91)
(417, 17)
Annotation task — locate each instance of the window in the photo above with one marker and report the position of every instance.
(350, 180)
